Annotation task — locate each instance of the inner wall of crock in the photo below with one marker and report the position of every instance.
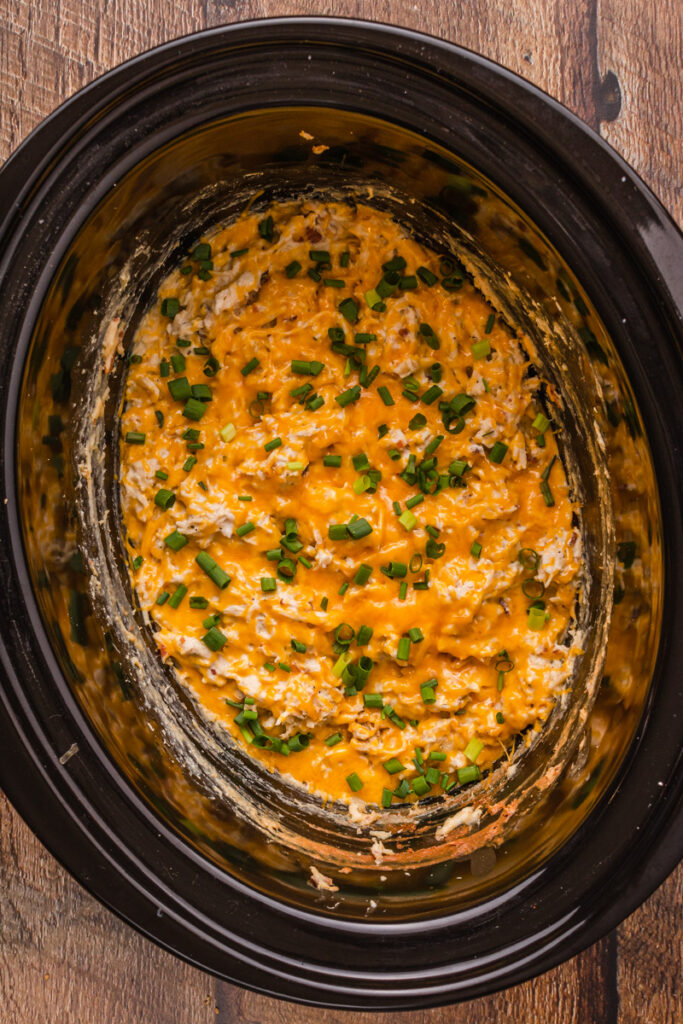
(193, 776)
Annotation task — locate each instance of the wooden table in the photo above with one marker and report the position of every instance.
(616, 63)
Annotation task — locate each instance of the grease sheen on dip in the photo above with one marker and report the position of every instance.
(344, 505)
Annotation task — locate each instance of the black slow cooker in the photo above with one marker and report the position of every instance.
(101, 753)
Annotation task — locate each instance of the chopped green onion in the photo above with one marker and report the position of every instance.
(500, 717)
(427, 334)
(178, 595)
(265, 228)
(403, 591)
(364, 635)
(137, 562)
(337, 531)
(489, 323)
(427, 691)
(349, 310)
(547, 493)
(427, 276)
(385, 395)
(462, 403)
(420, 785)
(135, 437)
(347, 397)
(270, 446)
(415, 500)
(431, 394)
(228, 432)
(180, 389)
(245, 528)
(189, 462)
(363, 574)
(178, 362)
(163, 597)
(434, 549)
(408, 520)
(481, 349)
(541, 423)
(475, 550)
(250, 367)
(536, 618)
(164, 498)
(332, 740)
(332, 460)
(198, 602)
(194, 409)
(373, 700)
(212, 569)
(473, 749)
(359, 528)
(403, 649)
(498, 452)
(417, 421)
(529, 558)
(354, 781)
(268, 584)
(214, 639)
(394, 766)
(293, 268)
(469, 774)
(415, 634)
(175, 541)
(170, 307)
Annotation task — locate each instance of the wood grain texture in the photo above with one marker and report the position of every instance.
(63, 958)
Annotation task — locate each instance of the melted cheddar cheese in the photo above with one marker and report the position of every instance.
(440, 519)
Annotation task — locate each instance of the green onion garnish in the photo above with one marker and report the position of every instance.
(529, 558)
(348, 396)
(475, 549)
(498, 452)
(332, 460)
(415, 635)
(394, 766)
(175, 541)
(536, 618)
(212, 569)
(408, 520)
(363, 574)
(214, 639)
(332, 740)
(364, 635)
(194, 409)
(547, 493)
(199, 602)
(354, 781)
(540, 423)
(469, 774)
(427, 334)
(250, 367)
(180, 389)
(268, 584)
(417, 422)
(178, 595)
(359, 528)
(163, 597)
(135, 437)
(431, 394)
(403, 649)
(170, 307)
(427, 276)
(293, 268)
(473, 749)
(270, 446)
(385, 395)
(307, 366)
(373, 700)
(349, 310)
(164, 498)
(245, 528)
(481, 349)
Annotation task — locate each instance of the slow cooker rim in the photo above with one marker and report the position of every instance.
(318, 22)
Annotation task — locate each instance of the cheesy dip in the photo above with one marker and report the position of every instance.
(344, 507)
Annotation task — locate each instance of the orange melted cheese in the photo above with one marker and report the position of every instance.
(246, 307)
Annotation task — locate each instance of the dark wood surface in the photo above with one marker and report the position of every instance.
(617, 64)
